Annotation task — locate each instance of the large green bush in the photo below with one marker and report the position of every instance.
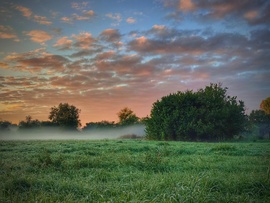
(208, 114)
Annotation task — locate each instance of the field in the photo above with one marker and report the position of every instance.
(134, 171)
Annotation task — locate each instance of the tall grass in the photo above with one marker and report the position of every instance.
(133, 171)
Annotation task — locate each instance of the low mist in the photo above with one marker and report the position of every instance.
(56, 134)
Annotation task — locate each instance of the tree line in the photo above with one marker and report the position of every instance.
(66, 117)
(208, 114)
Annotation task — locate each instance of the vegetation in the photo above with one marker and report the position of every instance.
(208, 114)
(127, 117)
(66, 116)
(259, 124)
(133, 171)
(4, 125)
(29, 123)
(100, 125)
(265, 105)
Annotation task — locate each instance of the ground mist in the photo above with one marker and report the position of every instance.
(47, 133)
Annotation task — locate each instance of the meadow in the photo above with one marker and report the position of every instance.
(123, 170)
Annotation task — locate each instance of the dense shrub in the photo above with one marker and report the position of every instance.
(208, 114)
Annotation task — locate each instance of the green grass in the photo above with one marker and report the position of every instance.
(134, 171)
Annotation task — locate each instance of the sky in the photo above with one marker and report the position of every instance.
(104, 55)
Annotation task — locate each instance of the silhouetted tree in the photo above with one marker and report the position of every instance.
(100, 125)
(127, 117)
(4, 125)
(258, 117)
(260, 123)
(65, 116)
(29, 123)
(208, 114)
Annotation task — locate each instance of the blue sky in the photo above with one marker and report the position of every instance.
(104, 55)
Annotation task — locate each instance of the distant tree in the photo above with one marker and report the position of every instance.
(48, 124)
(99, 125)
(259, 117)
(5, 125)
(208, 114)
(265, 105)
(143, 120)
(65, 116)
(127, 117)
(29, 123)
(259, 122)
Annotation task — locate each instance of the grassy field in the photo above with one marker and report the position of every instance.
(133, 171)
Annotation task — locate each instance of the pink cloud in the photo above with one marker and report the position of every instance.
(110, 35)
(251, 15)
(186, 5)
(6, 32)
(89, 13)
(39, 36)
(42, 20)
(131, 20)
(29, 14)
(63, 43)
(66, 20)
(25, 11)
(84, 40)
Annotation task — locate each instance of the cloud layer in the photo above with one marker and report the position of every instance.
(103, 70)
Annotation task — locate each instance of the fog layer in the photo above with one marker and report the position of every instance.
(55, 134)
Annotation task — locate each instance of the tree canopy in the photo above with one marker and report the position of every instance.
(208, 114)
(127, 116)
(265, 105)
(29, 123)
(66, 116)
(259, 117)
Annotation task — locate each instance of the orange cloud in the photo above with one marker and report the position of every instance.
(39, 36)
(6, 32)
(251, 15)
(66, 20)
(159, 27)
(84, 40)
(42, 20)
(110, 35)
(25, 11)
(89, 13)
(63, 43)
(141, 40)
(29, 14)
(186, 5)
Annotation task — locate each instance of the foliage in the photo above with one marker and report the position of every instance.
(4, 125)
(265, 105)
(259, 122)
(100, 125)
(127, 117)
(29, 123)
(208, 114)
(259, 117)
(66, 116)
(133, 171)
